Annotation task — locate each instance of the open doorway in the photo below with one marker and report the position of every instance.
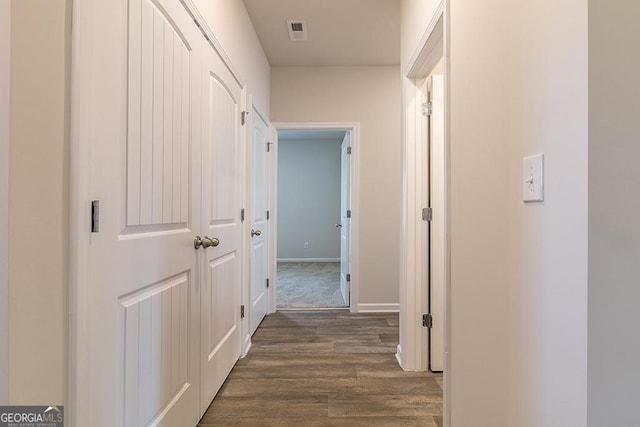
(425, 259)
(310, 219)
(314, 214)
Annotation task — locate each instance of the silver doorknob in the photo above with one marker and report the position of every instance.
(208, 242)
(338, 225)
(255, 233)
(197, 242)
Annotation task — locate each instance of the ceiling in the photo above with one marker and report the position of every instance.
(340, 32)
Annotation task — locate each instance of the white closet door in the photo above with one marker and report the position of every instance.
(221, 206)
(140, 355)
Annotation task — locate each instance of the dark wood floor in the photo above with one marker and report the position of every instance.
(326, 368)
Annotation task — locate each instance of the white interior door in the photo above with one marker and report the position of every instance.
(259, 171)
(345, 218)
(142, 95)
(437, 232)
(221, 203)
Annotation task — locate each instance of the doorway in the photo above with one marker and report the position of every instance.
(425, 247)
(315, 216)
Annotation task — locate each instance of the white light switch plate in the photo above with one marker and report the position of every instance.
(532, 178)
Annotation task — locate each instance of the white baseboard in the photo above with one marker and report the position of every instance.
(247, 346)
(399, 355)
(379, 308)
(308, 260)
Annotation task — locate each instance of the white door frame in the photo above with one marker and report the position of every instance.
(355, 201)
(412, 350)
(5, 72)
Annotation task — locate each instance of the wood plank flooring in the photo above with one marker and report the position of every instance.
(326, 368)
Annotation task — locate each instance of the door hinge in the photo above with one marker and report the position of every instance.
(95, 216)
(349, 150)
(427, 214)
(269, 146)
(243, 117)
(267, 283)
(427, 320)
(242, 311)
(268, 215)
(427, 109)
(349, 277)
(349, 213)
(242, 215)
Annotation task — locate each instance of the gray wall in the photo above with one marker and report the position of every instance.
(5, 45)
(309, 198)
(614, 203)
(39, 201)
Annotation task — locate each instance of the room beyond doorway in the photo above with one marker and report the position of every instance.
(314, 217)
(303, 285)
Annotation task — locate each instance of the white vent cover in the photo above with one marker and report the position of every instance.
(297, 30)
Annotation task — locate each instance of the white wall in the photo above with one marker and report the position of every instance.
(614, 230)
(39, 202)
(415, 16)
(309, 198)
(5, 52)
(518, 86)
(232, 26)
(371, 96)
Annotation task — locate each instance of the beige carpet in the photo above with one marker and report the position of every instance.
(309, 285)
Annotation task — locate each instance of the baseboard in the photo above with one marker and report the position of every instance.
(399, 355)
(308, 259)
(379, 308)
(247, 346)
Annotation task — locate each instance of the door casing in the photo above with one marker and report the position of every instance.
(354, 128)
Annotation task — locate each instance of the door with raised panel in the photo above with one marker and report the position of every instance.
(221, 206)
(259, 171)
(139, 360)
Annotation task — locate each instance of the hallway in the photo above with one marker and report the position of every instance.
(320, 368)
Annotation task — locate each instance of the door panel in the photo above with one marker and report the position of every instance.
(221, 284)
(156, 350)
(159, 97)
(143, 276)
(259, 206)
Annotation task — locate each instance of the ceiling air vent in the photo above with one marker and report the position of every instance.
(297, 30)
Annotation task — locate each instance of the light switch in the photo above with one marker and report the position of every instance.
(532, 178)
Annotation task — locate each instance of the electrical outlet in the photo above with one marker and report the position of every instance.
(305, 245)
